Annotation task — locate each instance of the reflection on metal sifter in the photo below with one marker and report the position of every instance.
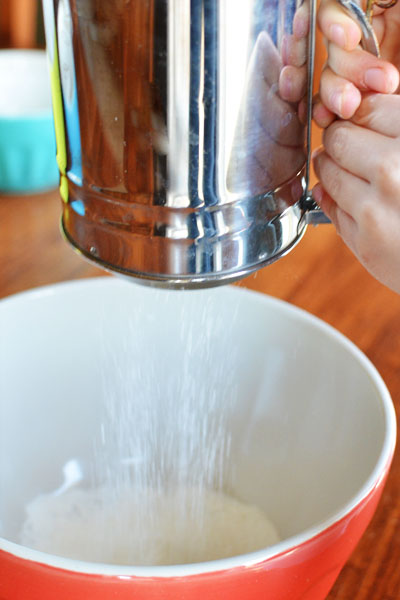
(183, 150)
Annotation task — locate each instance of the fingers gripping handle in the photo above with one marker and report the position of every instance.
(314, 214)
(368, 41)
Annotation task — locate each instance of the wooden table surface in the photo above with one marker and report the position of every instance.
(319, 275)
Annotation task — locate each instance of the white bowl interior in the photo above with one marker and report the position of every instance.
(25, 83)
(308, 414)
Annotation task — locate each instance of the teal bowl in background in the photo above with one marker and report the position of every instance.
(27, 139)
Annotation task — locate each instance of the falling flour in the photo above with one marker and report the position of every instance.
(162, 457)
(97, 526)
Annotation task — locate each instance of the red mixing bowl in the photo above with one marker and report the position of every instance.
(312, 430)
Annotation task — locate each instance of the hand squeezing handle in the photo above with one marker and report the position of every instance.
(368, 40)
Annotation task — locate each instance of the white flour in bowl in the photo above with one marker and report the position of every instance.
(149, 527)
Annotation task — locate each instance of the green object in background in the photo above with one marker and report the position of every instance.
(57, 100)
(58, 111)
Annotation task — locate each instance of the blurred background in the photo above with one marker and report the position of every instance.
(21, 24)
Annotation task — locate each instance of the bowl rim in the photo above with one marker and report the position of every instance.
(291, 543)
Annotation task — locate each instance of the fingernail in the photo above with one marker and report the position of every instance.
(338, 35)
(337, 102)
(350, 101)
(345, 102)
(285, 84)
(376, 80)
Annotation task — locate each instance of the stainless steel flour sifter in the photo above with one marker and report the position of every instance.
(184, 161)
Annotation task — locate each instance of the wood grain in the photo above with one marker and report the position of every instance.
(321, 276)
